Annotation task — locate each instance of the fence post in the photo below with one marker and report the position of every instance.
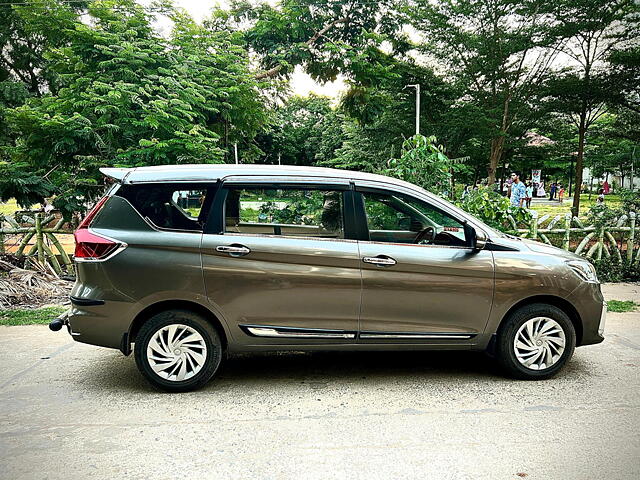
(632, 233)
(1, 234)
(600, 243)
(567, 232)
(533, 228)
(39, 239)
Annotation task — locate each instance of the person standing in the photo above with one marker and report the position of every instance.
(560, 193)
(600, 196)
(541, 192)
(518, 190)
(552, 191)
(529, 195)
(605, 187)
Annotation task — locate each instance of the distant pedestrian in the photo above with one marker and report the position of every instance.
(552, 191)
(600, 199)
(465, 192)
(560, 193)
(529, 195)
(518, 190)
(541, 192)
(605, 187)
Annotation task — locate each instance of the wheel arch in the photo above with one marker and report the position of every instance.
(559, 302)
(165, 305)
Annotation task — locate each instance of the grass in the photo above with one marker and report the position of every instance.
(621, 306)
(23, 316)
(9, 207)
(612, 201)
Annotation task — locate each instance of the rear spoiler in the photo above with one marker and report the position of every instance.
(117, 174)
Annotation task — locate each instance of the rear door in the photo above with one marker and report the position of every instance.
(281, 264)
(421, 281)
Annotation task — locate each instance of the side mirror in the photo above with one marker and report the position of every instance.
(477, 238)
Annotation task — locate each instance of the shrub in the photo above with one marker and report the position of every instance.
(494, 209)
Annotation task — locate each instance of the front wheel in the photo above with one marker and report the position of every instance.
(535, 342)
(178, 350)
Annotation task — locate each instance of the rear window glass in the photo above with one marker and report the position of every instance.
(173, 207)
(293, 212)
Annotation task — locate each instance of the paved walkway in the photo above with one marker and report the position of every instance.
(72, 411)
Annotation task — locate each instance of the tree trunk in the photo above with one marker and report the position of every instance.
(495, 156)
(575, 209)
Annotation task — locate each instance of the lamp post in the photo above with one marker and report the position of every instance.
(417, 87)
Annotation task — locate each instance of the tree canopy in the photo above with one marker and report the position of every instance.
(98, 83)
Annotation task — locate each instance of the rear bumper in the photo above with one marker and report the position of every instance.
(103, 324)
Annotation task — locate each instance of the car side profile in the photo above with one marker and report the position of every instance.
(190, 263)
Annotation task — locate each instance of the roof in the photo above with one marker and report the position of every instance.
(214, 172)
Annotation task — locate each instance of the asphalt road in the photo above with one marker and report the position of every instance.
(72, 411)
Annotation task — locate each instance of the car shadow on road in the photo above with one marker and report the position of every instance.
(267, 370)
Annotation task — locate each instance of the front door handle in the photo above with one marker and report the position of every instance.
(380, 260)
(233, 250)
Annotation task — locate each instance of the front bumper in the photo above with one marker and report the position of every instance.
(592, 310)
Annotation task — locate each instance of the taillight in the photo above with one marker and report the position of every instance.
(90, 245)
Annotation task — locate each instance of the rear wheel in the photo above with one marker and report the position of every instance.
(178, 350)
(535, 342)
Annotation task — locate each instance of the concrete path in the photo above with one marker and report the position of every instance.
(72, 411)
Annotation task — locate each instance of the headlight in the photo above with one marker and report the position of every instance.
(584, 270)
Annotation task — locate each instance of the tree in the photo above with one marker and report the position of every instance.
(130, 97)
(497, 52)
(595, 29)
(303, 131)
(27, 31)
(316, 34)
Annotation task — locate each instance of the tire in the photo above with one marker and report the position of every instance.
(185, 352)
(542, 350)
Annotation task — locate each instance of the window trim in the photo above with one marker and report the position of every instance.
(363, 227)
(215, 224)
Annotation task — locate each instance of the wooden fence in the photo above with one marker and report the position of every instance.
(617, 239)
(42, 228)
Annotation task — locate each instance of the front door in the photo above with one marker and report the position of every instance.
(421, 281)
(280, 266)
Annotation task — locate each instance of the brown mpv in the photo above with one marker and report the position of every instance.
(190, 262)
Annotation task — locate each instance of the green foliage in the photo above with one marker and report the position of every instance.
(494, 209)
(422, 162)
(130, 97)
(630, 200)
(609, 269)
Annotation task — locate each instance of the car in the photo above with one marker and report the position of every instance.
(190, 263)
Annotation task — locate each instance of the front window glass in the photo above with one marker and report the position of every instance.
(290, 212)
(401, 219)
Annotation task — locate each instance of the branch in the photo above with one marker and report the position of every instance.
(320, 33)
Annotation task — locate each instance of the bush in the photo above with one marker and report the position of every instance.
(611, 270)
(494, 209)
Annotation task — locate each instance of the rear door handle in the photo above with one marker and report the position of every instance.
(380, 261)
(233, 250)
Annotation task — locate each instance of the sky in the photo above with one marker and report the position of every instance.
(301, 83)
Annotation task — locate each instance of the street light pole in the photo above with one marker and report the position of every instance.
(417, 87)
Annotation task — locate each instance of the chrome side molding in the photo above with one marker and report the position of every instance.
(423, 336)
(291, 332)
